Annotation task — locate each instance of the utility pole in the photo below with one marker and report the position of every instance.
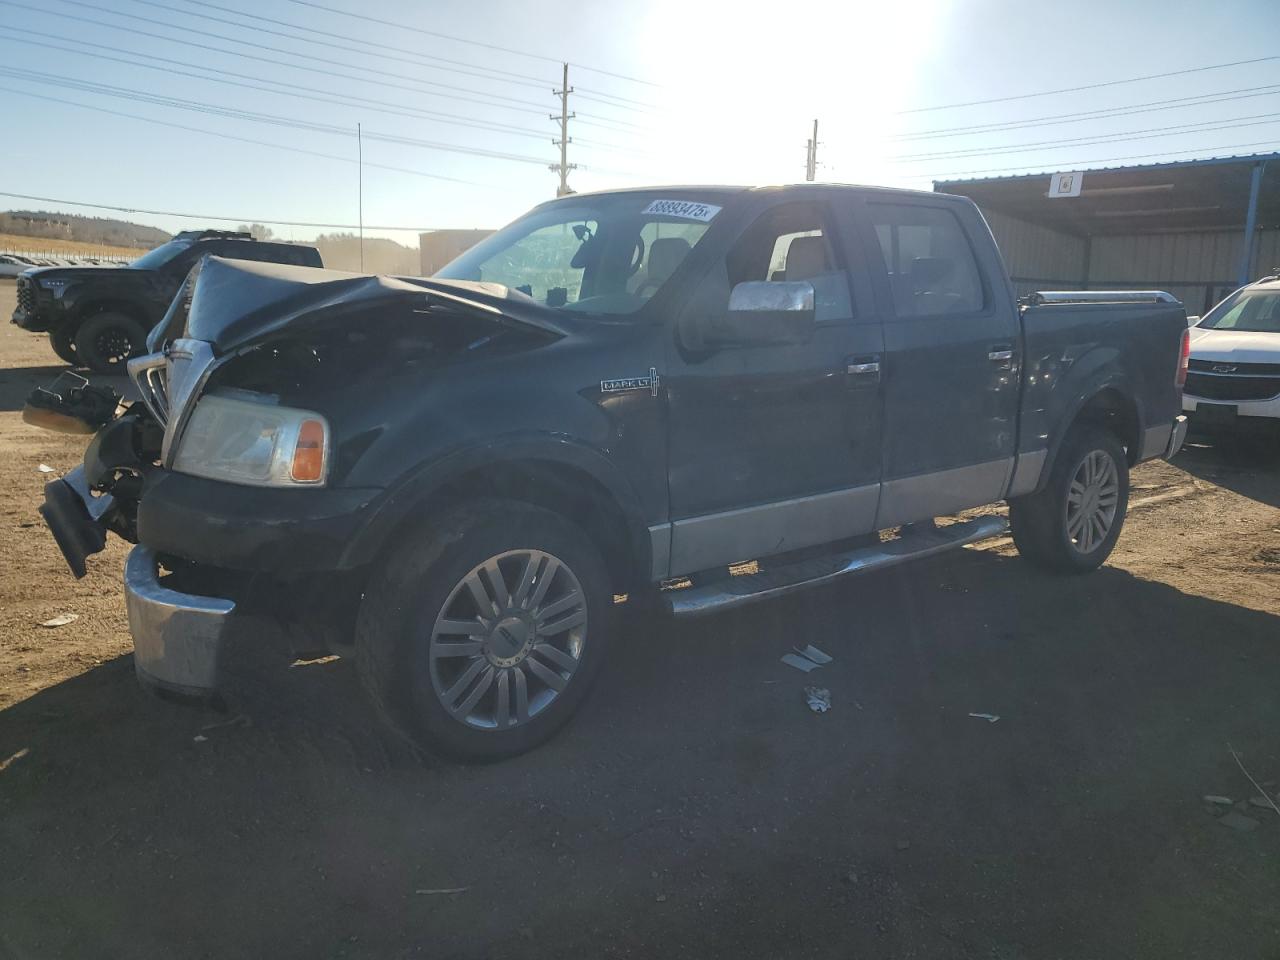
(811, 156)
(360, 189)
(564, 166)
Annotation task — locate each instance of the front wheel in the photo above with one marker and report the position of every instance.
(1071, 526)
(483, 633)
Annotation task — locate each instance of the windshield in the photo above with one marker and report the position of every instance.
(594, 255)
(157, 258)
(1256, 311)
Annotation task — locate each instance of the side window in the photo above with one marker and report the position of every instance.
(793, 242)
(928, 259)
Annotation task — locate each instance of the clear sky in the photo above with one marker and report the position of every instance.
(729, 93)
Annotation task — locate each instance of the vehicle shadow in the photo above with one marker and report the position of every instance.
(16, 383)
(1249, 466)
(695, 800)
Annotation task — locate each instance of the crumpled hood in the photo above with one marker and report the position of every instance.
(236, 302)
(1238, 346)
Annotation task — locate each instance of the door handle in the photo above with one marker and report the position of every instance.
(862, 370)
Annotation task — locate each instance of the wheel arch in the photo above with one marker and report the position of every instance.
(105, 304)
(1110, 405)
(566, 478)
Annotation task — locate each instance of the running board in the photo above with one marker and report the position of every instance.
(767, 584)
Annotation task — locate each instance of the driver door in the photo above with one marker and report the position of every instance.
(773, 448)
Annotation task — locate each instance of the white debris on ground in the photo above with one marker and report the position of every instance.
(819, 699)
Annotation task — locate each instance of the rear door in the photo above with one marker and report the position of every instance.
(773, 448)
(951, 357)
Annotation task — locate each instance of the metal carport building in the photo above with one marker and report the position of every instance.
(1196, 228)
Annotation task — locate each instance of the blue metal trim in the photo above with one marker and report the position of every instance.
(1251, 223)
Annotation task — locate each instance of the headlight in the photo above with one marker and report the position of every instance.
(254, 442)
(53, 286)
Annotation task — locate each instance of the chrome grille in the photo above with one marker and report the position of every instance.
(26, 296)
(1233, 387)
(151, 374)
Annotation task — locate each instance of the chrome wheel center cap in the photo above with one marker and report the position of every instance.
(510, 641)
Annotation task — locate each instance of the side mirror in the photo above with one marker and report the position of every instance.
(765, 313)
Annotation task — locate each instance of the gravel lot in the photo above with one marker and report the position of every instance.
(696, 808)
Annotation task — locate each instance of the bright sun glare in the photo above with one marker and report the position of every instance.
(742, 76)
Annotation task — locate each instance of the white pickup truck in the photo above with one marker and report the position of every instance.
(1233, 380)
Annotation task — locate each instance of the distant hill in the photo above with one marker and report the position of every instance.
(68, 226)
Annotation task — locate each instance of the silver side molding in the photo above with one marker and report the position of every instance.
(713, 540)
(770, 583)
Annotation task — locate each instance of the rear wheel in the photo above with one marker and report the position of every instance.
(63, 343)
(1072, 525)
(106, 341)
(482, 636)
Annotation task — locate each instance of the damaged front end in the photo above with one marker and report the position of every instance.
(191, 473)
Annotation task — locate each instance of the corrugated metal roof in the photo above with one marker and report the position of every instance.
(1204, 194)
(1245, 158)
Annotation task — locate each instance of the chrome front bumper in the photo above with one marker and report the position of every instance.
(1177, 437)
(177, 637)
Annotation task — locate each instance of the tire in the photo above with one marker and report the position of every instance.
(1047, 526)
(62, 340)
(421, 595)
(105, 341)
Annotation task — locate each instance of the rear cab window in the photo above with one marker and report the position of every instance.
(927, 259)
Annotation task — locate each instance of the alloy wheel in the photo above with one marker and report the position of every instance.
(114, 346)
(508, 639)
(1092, 498)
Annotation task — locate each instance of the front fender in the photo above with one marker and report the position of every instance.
(404, 500)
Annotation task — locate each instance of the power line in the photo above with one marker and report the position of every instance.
(1076, 164)
(474, 43)
(24, 35)
(230, 136)
(1150, 133)
(510, 104)
(608, 99)
(506, 75)
(207, 216)
(231, 113)
(142, 96)
(262, 46)
(1086, 86)
(1153, 106)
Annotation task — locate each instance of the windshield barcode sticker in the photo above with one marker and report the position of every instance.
(684, 209)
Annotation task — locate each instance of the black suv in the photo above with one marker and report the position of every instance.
(98, 317)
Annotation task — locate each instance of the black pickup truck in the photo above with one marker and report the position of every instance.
(454, 479)
(98, 317)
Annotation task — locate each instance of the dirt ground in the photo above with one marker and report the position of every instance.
(695, 808)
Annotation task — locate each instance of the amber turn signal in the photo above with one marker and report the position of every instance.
(308, 454)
